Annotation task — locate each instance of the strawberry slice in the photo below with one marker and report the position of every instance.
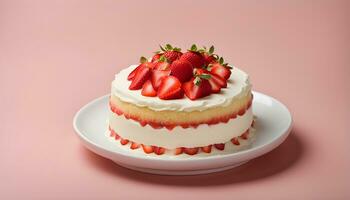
(178, 151)
(245, 135)
(220, 146)
(170, 88)
(142, 75)
(206, 149)
(235, 141)
(148, 90)
(124, 141)
(158, 76)
(134, 145)
(215, 87)
(147, 149)
(158, 150)
(218, 80)
(220, 70)
(191, 151)
(197, 88)
(133, 72)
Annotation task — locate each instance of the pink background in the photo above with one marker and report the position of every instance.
(55, 57)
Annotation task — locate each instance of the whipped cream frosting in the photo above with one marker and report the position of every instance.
(238, 86)
(203, 135)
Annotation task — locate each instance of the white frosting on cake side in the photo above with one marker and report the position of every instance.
(203, 135)
(238, 85)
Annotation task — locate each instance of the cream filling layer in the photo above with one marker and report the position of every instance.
(203, 135)
(238, 86)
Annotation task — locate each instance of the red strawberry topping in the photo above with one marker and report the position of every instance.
(197, 88)
(133, 72)
(182, 70)
(158, 150)
(148, 90)
(147, 149)
(170, 88)
(158, 76)
(194, 58)
(142, 75)
(220, 70)
(156, 57)
(191, 151)
(206, 149)
(179, 151)
(134, 145)
(220, 146)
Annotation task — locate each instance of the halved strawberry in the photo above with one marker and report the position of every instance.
(215, 87)
(124, 141)
(133, 72)
(142, 75)
(206, 149)
(148, 90)
(220, 146)
(220, 81)
(179, 151)
(191, 151)
(220, 70)
(235, 141)
(158, 76)
(244, 136)
(170, 88)
(197, 88)
(147, 149)
(158, 150)
(134, 145)
(182, 70)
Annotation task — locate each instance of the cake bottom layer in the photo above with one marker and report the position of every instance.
(235, 144)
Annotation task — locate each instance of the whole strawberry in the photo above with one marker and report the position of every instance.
(182, 70)
(170, 53)
(208, 55)
(194, 56)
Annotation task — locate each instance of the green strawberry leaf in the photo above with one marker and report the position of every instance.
(162, 48)
(143, 59)
(204, 76)
(193, 47)
(168, 47)
(211, 50)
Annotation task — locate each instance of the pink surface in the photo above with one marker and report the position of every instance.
(55, 57)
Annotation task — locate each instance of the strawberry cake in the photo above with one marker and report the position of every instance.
(181, 103)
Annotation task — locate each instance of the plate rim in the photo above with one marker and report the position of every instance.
(262, 149)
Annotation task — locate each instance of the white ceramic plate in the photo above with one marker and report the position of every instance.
(273, 125)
